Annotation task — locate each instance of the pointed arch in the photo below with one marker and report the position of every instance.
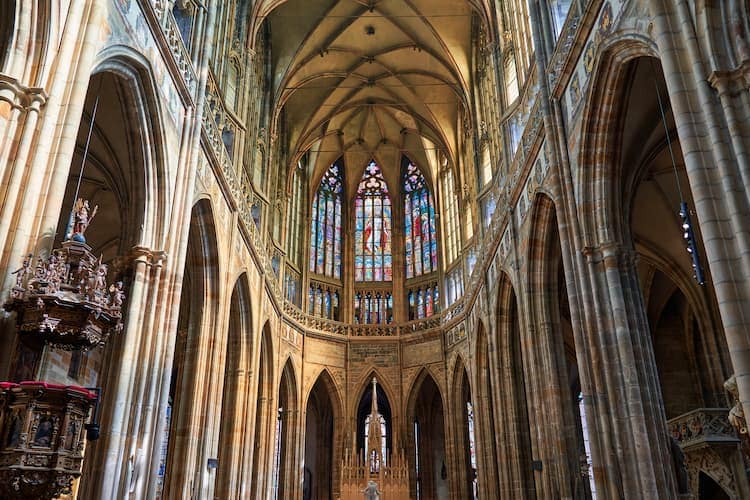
(233, 445)
(386, 398)
(286, 473)
(484, 413)
(126, 177)
(424, 376)
(604, 221)
(555, 353)
(514, 439)
(189, 387)
(363, 385)
(323, 439)
(464, 466)
(426, 437)
(326, 380)
(147, 113)
(265, 416)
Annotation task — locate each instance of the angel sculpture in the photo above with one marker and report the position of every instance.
(118, 295)
(82, 218)
(23, 271)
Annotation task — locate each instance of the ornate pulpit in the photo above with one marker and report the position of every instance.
(64, 301)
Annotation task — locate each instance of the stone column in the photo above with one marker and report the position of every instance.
(107, 456)
(709, 136)
(52, 158)
(627, 395)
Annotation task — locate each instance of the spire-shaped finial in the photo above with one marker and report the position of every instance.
(374, 405)
(374, 433)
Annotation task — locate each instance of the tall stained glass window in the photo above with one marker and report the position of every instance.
(419, 223)
(295, 216)
(451, 230)
(373, 260)
(325, 251)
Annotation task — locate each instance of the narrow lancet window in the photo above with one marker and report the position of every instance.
(373, 260)
(420, 243)
(326, 235)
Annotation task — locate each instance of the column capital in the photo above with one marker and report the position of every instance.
(147, 256)
(20, 96)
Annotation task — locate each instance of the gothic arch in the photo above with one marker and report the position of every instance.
(146, 113)
(464, 471)
(364, 384)
(706, 316)
(387, 405)
(555, 350)
(286, 435)
(426, 433)
(233, 441)
(603, 219)
(423, 375)
(323, 438)
(325, 378)
(264, 416)
(484, 412)
(513, 439)
(190, 386)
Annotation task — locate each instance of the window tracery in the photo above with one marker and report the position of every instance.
(451, 220)
(323, 301)
(373, 260)
(326, 234)
(373, 307)
(423, 302)
(420, 242)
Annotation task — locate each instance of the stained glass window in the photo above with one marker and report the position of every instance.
(325, 252)
(372, 234)
(420, 242)
(323, 301)
(451, 230)
(423, 302)
(373, 307)
(295, 216)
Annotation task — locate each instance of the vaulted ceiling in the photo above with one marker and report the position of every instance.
(373, 78)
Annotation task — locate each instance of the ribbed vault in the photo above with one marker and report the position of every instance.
(369, 79)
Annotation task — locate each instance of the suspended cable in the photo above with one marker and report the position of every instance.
(69, 229)
(688, 232)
